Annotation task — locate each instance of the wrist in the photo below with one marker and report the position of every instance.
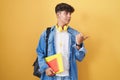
(79, 45)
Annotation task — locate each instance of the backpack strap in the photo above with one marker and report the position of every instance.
(47, 37)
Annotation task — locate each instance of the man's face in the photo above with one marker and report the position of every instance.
(64, 17)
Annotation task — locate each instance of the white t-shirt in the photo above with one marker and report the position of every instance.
(61, 43)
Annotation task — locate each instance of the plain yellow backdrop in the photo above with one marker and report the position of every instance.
(22, 22)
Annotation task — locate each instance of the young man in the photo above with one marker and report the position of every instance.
(65, 40)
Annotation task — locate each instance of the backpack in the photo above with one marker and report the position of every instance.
(36, 71)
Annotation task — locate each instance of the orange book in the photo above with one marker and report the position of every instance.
(55, 62)
(54, 65)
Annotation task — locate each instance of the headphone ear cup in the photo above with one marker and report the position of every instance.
(60, 29)
(65, 28)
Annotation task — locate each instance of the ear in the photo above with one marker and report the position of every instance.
(57, 14)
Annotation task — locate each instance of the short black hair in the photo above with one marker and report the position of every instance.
(64, 7)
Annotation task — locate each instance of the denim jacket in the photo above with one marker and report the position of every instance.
(75, 54)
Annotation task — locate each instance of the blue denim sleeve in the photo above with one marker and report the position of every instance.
(79, 54)
(41, 53)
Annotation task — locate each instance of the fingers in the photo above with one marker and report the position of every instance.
(80, 38)
(50, 72)
(85, 37)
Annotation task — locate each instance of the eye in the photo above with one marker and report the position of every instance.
(66, 13)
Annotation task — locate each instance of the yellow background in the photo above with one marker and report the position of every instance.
(22, 22)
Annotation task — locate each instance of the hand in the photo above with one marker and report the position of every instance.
(49, 72)
(80, 38)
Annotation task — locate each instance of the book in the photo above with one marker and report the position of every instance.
(55, 62)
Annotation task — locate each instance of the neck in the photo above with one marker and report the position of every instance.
(61, 24)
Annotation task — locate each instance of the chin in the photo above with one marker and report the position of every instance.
(67, 23)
